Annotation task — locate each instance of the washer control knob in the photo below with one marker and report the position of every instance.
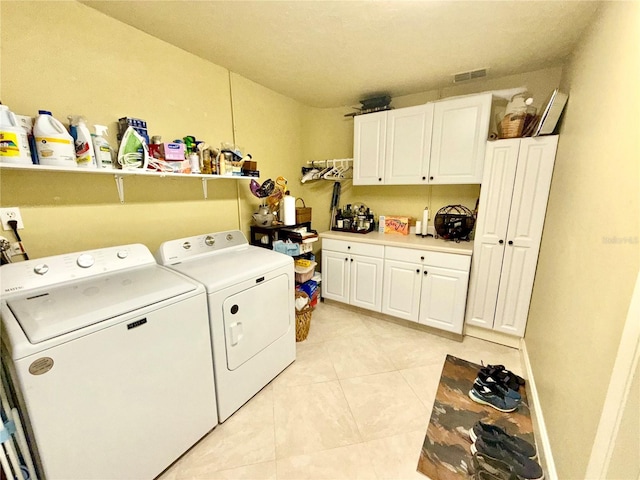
(229, 237)
(41, 268)
(186, 245)
(122, 254)
(209, 241)
(85, 260)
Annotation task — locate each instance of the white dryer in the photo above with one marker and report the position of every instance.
(251, 293)
(109, 355)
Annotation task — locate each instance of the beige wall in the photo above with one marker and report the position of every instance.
(590, 250)
(68, 58)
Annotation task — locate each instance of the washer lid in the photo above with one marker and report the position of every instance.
(50, 312)
(231, 266)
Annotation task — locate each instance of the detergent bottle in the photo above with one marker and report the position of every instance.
(53, 143)
(14, 142)
(101, 147)
(85, 155)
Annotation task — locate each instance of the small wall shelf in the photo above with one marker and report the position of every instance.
(120, 174)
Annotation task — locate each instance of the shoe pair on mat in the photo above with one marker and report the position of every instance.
(497, 387)
(500, 456)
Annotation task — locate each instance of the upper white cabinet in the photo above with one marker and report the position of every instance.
(408, 145)
(437, 143)
(369, 143)
(460, 130)
(511, 212)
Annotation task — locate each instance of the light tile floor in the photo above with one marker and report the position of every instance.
(354, 405)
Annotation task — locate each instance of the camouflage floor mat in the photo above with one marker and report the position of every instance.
(446, 449)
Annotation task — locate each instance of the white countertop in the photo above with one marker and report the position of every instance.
(407, 241)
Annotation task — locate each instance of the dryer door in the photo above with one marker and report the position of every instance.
(254, 318)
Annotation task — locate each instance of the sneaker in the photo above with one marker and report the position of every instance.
(486, 378)
(485, 468)
(513, 381)
(495, 433)
(519, 464)
(490, 395)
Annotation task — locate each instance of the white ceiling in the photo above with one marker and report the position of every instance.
(335, 53)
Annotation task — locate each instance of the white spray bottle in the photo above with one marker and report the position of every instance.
(101, 147)
(85, 154)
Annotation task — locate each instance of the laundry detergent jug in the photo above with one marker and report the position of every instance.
(53, 143)
(14, 141)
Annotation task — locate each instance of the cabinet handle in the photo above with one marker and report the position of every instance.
(352, 259)
(425, 272)
(430, 178)
(424, 178)
(380, 179)
(510, 242)
(500, 242)
(346, 259)
(349, 247)
(417, 270)
(421, 258)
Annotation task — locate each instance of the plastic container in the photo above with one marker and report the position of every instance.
(101, 147)
(304, 274)
(85, 154)
(54, 145)
(14, 141)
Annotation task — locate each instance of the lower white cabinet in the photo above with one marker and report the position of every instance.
(352, 273)
(426, 287)
(415, 285)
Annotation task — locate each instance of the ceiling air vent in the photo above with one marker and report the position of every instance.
(464, 76)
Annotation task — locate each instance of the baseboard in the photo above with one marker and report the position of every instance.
(545, 455)
(492, 336)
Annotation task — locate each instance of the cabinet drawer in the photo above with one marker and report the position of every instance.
(435, 259)
(353, 247)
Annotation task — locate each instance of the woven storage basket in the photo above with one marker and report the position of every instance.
(511, 125)
(303, 213)
(303, 319)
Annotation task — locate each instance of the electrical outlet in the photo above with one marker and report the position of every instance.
(12, 213)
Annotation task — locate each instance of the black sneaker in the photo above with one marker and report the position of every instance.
(519, 464)
(490, 395)
(486, 468)
(497, 434)
(486, 378)
(513, 381)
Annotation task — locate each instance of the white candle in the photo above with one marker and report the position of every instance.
(425, 221)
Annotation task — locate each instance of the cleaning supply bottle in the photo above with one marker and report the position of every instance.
(14, 142)
(101, 147)
(85, 155)
(53, 143)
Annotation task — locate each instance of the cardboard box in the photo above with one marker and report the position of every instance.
(396, 224)
(250, 165)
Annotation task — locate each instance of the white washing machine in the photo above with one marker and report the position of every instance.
(251, 293)
(110, 358)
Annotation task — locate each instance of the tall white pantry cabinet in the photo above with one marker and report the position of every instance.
(511, 212)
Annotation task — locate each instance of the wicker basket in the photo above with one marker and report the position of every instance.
(511, 125)
(303, 319)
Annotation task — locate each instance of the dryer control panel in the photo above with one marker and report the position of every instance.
(180, 249)
(42, 272)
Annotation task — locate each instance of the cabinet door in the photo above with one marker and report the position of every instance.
(460, 129)
(443, 298)
(491, 231)
(335, 276)
(369, 148)
(526, 220)
(401, 289)
(366, 282)
(408, 145)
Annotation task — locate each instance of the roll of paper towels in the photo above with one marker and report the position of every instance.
(288, 210)
(418, 227)
(425, 221)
